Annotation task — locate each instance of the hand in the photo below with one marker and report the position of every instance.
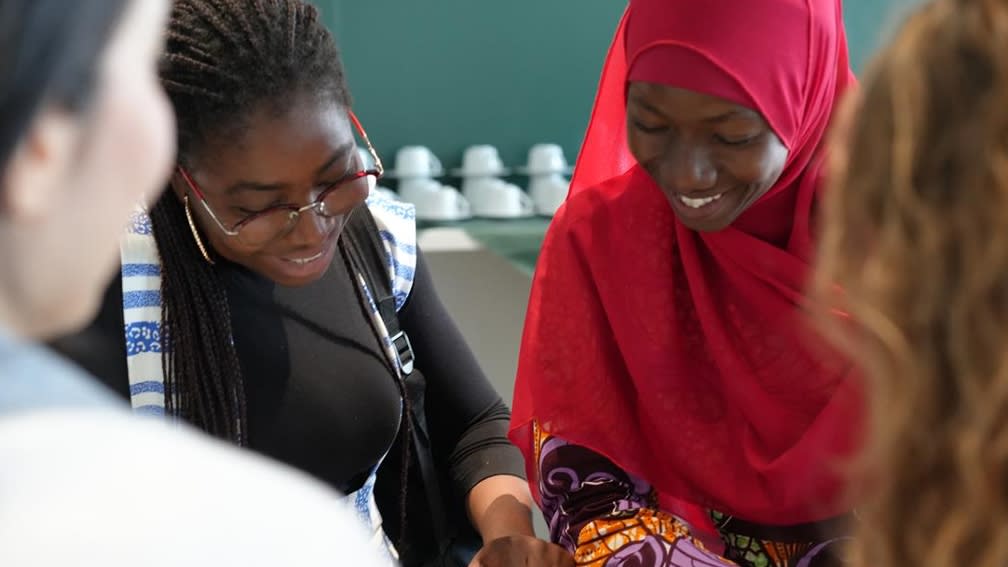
(522, 551)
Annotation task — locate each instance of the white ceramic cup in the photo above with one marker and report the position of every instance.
(445, 204)
(434, 201)
(545, 159)
(496, 199)
(416, 190)
(416, 162)
(481, 161)
(548, 192)
(413, 185)
(470, 183)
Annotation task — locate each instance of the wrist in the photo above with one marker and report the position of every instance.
(506, 516)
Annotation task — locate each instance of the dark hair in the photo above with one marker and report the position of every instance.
(49, 52)
(225, 59)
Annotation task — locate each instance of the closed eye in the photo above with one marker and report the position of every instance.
(737, 142)
(249, 212)
(351, 172)
(646, 129)
(329, 187)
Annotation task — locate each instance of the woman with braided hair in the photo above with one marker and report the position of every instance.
(247, 310)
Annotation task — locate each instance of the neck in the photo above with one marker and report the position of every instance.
(30, 310)
(14, 323)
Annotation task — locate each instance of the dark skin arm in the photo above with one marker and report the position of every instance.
(458, 395)
(501, 509)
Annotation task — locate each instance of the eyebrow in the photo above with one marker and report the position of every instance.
(645, 105)
(341, 153)
(734, 113)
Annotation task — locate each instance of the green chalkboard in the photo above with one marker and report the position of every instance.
(451, 73)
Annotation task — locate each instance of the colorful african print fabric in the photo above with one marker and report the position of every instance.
(608, 518)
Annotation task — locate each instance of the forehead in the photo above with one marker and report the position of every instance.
(684, 105)
(277, 145)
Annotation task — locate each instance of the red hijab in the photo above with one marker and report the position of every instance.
(684, 357)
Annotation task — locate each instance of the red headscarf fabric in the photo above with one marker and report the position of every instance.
(684, 357)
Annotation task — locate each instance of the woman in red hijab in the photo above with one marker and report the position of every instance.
(669, 387)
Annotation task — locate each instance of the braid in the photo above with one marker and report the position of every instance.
(202, 378)
(224, 59)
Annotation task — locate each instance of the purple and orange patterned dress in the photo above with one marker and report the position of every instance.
(608, 518)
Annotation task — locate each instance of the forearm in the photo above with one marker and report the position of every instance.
(501, 506)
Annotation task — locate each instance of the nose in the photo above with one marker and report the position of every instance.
(687, 168)
(310, 228)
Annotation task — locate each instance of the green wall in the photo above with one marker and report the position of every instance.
(450, 73)
(869, 22)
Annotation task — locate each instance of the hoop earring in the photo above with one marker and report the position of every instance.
(195, 233)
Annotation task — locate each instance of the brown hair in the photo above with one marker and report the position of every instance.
(916, 236)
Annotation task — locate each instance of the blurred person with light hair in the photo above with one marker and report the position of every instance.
(916, 236)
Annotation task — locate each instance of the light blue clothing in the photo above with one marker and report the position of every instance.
(32, 377)
(93, 442)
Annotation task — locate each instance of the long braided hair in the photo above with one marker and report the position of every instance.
(224, 59)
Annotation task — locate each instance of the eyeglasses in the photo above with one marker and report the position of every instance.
(274, 223)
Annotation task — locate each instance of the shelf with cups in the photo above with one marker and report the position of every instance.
(488, 211)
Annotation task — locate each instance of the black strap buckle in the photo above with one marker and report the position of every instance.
(404, 352)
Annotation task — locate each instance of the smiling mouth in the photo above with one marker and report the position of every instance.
(697, 203)
(308, 260)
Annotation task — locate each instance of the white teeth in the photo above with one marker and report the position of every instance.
(306, 260)
(697, 203)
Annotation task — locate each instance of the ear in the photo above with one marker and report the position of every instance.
(38, 173)
(178, 185)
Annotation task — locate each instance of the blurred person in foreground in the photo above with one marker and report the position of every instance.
(916, 236)
(85, 134)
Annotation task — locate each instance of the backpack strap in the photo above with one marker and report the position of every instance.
(367, 254)
(365, 248)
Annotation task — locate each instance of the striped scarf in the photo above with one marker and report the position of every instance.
(142, 309)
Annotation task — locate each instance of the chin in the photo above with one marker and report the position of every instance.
(301, 281)
(705, 225)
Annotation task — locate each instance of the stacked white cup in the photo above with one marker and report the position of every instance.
(416, 168)
(491, 196)
(547, 170)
